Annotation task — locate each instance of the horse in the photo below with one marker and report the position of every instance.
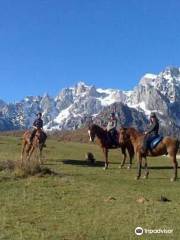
(167, 146)
(102, 136)
(37, 144)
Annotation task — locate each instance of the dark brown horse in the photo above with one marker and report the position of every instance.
(168, 145)
(36, 145)
(102, 136)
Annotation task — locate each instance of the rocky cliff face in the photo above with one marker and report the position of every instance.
(73, 106)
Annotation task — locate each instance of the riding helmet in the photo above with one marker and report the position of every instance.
(153, 115)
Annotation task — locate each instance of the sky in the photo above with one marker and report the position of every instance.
(46, 45)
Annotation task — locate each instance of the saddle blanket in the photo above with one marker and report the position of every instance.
(154, 142)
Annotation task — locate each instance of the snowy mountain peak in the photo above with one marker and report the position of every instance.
(171, 72)
(80, 88)
(148, 78)
(82, 84)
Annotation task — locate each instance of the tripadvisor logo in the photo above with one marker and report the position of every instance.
(139, 231)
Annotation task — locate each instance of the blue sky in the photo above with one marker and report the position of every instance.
(46, 45)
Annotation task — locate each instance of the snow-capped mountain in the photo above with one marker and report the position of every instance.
(74, 105)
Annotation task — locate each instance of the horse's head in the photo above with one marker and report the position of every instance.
(92, 132)
(123, 135)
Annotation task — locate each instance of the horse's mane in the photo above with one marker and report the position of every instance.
(97, 128)
(134, 131)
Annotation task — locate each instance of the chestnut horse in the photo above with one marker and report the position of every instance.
(28, 148)
(168, 145)
(102, 136)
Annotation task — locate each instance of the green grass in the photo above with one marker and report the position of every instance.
(85, 202)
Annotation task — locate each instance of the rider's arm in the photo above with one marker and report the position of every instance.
(41, 124)
(151, 128)
(34, 124)
(114, 124)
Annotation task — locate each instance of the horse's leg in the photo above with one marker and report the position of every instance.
(22, 151)
(123, 149)
(131, 155)
(139, 159)
(146, 168)
(30, 153)
(40, 155)
(105, 150)
(28, 148)
(175, 166)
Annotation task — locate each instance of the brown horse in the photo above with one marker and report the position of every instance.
(168, 145)
(102, 136)
(28, 148)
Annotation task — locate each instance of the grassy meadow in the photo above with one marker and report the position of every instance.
(84, 202)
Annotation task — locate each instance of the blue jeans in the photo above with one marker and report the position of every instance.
(147, 141)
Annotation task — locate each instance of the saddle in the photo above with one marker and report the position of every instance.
(154, 142)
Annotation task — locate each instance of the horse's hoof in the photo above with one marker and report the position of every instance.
(173, 179)
(145, 177)
(129, 167)
(121, 166)
(137, 178)
(105, 168)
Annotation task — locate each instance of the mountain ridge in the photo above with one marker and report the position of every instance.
(71, 108)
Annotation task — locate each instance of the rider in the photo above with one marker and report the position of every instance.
(38, 124)
(111, 128)
(152, 132)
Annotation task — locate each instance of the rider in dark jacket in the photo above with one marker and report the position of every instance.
(38, 124)
(152, 132)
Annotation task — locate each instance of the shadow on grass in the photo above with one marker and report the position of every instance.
(82, 163)
(161, 167)
(49, 164)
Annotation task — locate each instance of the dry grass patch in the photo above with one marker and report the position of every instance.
(31, 168)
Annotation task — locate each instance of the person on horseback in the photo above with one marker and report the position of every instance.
(38, 124)
(111, 129)
(151, 133)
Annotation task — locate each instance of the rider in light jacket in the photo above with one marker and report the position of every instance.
(111, 128)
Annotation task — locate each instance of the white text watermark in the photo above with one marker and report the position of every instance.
(140, 231)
